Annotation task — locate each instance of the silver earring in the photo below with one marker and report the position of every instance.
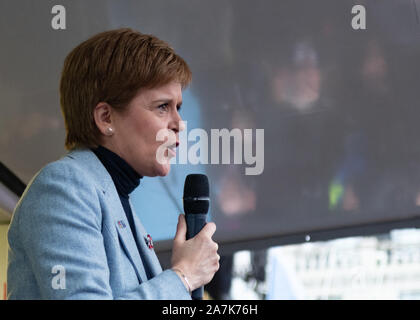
(109, 131)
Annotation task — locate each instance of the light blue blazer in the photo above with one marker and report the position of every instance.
(69, 238)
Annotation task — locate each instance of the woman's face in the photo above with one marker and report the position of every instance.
(136, 129)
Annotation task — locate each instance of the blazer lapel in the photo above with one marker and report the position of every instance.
(88, 159)
(149, 254)
(127, 239)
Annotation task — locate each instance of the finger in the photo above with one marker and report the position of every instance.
(209, 229)
(181, 229)
(216, 247)
(216, 265)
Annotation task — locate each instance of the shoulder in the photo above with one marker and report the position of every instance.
(63, 172)
(78, 168)
(69, 183)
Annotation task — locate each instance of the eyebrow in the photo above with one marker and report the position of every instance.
(166, 101)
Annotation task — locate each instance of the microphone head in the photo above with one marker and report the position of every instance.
(196, 194)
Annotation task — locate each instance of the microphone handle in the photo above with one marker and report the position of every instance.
(195, 222)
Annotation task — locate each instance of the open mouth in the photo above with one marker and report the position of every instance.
(172, 149)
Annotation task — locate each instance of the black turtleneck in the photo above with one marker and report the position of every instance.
(125, 178)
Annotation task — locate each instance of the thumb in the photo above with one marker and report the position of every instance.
(181, 229)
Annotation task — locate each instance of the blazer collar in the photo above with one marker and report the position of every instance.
(86, 158)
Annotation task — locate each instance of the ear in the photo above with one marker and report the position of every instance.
(102, 115)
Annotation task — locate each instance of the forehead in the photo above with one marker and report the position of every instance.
(170, 91)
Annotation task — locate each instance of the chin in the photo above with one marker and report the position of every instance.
(163, 170)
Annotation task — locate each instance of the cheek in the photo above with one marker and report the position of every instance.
(146, 136)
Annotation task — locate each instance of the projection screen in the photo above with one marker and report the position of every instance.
(339, 108)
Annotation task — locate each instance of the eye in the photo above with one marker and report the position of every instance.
(163, 107)
(178, 107)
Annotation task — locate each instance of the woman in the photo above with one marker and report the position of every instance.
(74, 234)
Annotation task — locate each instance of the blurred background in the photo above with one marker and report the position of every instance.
(335, 213)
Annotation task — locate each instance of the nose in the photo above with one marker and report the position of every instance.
(177, 124)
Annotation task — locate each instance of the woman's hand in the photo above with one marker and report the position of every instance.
(196, 257)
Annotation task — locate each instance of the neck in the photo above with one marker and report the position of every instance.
(125, 178)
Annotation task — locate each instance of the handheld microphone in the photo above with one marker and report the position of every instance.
(196, 205)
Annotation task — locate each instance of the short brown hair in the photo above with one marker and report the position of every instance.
(111, 67)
